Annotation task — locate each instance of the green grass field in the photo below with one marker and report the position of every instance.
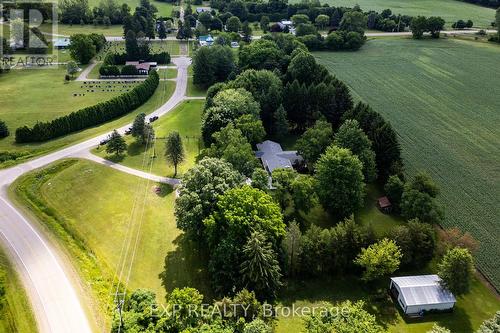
(470, 311)
(186, 119)
(450, 10)
(443, 99)
(28, 96)
(15, 309)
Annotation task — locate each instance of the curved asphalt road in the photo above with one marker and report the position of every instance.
(56, 305)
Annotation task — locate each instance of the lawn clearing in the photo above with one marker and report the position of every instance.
(193, 90)
(186, 119)
(15, 310)
(28, 96)
(87, 207)
(450, 10)
(470, 311)
(68, 30)
(442, 97)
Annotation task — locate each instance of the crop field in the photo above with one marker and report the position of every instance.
(186, 119)
(28, 96)
(443, 98)
(450, 10)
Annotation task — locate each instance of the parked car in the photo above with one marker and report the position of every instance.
(152, 119)
(128, 131)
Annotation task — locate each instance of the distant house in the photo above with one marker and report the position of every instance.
(273, 157)
(384, 204)
(200, 10)
(205, 40)
(422, 293)
(142, 67)
(235, 45)
(62, 43)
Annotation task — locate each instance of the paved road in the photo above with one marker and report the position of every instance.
(56, 305)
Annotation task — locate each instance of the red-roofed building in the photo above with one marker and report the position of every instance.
(384, 204)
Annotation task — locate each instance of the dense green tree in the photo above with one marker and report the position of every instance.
(280, 123)
(497, 16)
(238, 8)
(379, 260)
(417, 242)
(307, 30)
(322, 21)
(257, 326)
(418, 26)
(205, 18)
(301, 113)
(264, 23)
(260, 179)
(353, 21)
(303, 68)
(340, 181)
(116, 144)
(131, 46)
(352, 137)
(267, 89)
(435, 25)
(357, 320)
(162, 30)
(230, 145)
(491, 325)
(233, 24)
(314, 142)
(212, 64)
(246, 30)
(420, 205)
(4, 130)
(72, 11)
(394, 190)
(174, 150)
(251, 127)
(260, 54)
(201, 185)
(300, 19)
(422, 182)
(292, 247)
(294, 192)
(260, 267)
(456, 271)
(183, 301)
(138, 126)
(82, 48)
(228, 105)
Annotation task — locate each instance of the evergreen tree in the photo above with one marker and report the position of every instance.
(138, 127)
(174, 150)
(162, 31)
(4, 130)
(280, 123)
(131, 46)
(247, 32)
(116, 144)
(264, 23)
(260, 268)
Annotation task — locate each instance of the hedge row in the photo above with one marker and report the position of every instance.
(92, 115)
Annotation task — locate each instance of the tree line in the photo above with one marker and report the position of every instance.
(90, 116)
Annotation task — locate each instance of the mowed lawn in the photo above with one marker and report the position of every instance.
(443, 98)
(28, 96)
(470, 311)
(449, 10)
(15, 309)
(186, 119)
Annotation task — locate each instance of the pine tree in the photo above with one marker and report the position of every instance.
(280, 123)
(260, 267)
(162, 31)
(131, 46)
(138, 127)
(116, 144)
(4, 130)
(174, 150)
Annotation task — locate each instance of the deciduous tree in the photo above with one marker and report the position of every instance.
(456, 270)
(379, 260)
(116, 144)
(81, 48)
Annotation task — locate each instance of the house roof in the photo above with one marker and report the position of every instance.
(423, 289)
(206, 38)
(384, 202)
(273, 157)
(62, 42)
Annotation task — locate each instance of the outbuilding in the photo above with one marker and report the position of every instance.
(420, 294)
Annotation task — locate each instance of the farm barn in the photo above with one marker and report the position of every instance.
(419, 294)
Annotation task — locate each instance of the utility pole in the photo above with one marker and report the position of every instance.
(119, 301)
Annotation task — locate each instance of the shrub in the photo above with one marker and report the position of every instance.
(129, 70)
(109, 70)
(4, 130)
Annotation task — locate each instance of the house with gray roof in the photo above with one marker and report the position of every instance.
(274, 157)
(422, 293)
